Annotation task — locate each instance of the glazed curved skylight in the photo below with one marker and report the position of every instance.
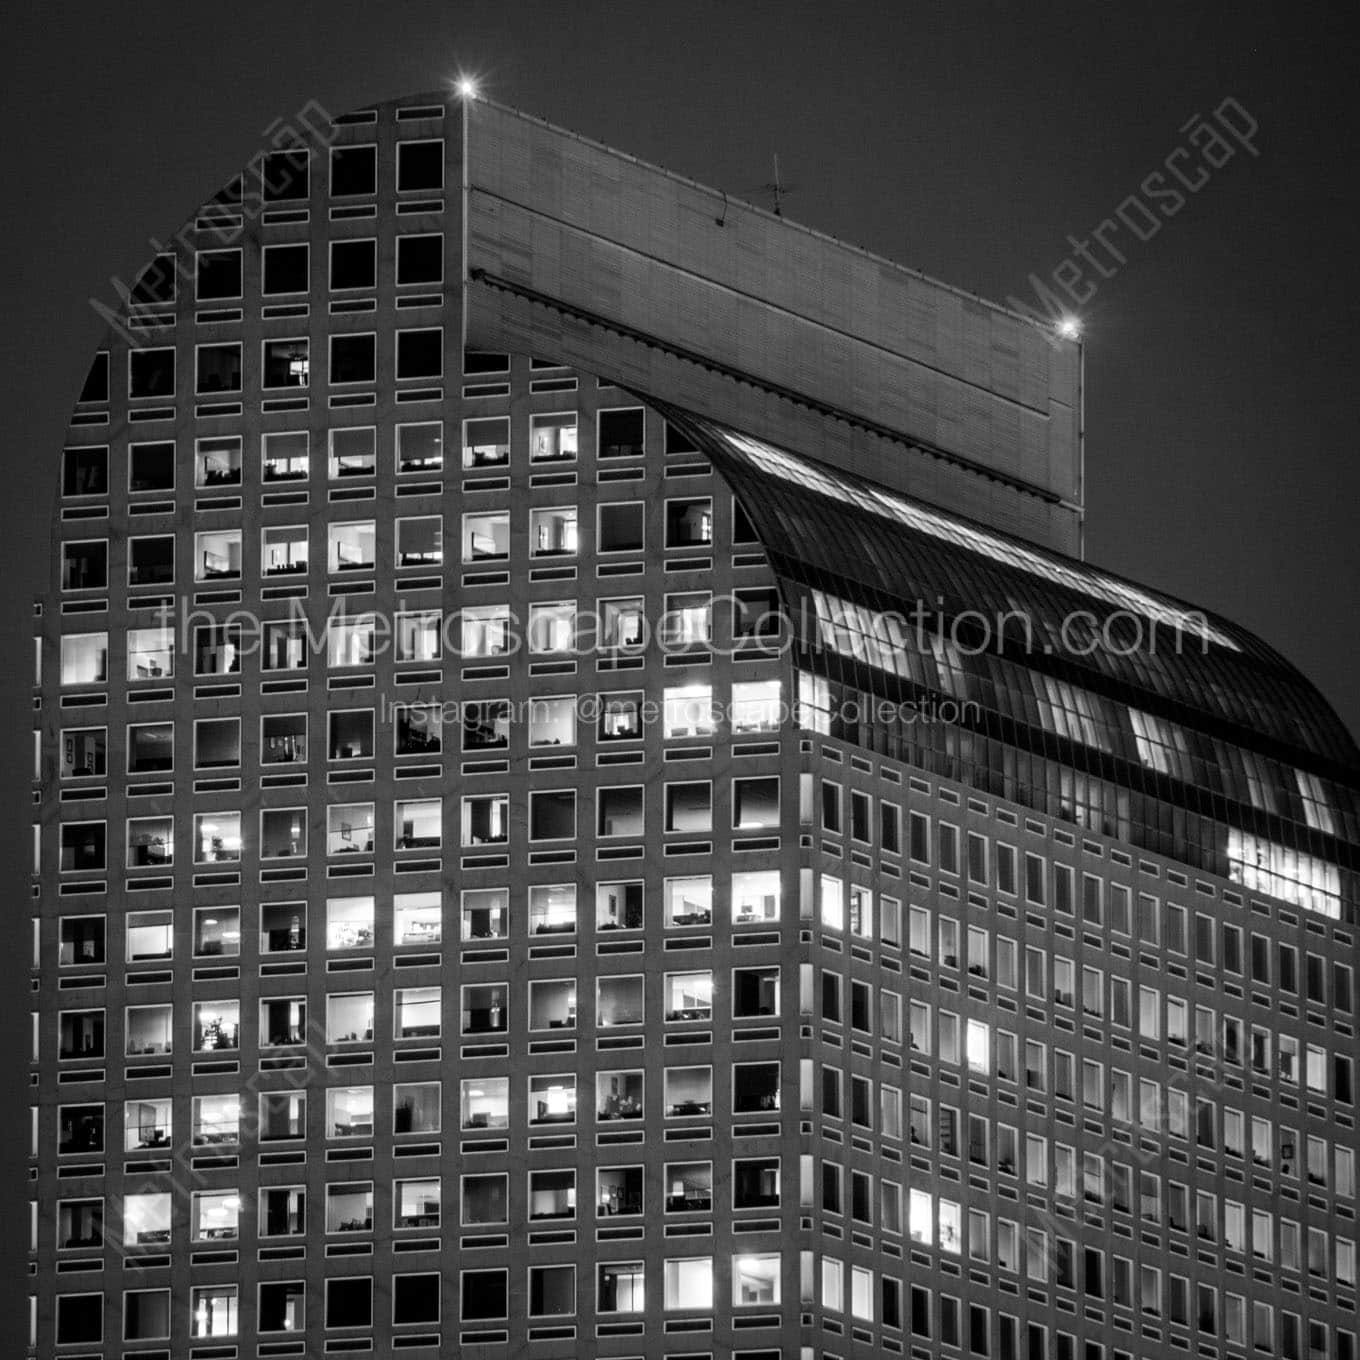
(887, 505)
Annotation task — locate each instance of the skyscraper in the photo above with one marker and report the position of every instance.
(588, 803)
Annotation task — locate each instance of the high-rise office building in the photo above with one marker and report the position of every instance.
(588, 804)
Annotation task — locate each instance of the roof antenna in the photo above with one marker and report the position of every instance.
(778, 188)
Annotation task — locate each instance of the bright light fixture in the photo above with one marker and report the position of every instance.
(1069, 328)
(467, 87)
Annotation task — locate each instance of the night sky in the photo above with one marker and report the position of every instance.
(967, 141)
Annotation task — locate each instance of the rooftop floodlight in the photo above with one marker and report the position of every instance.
(1069, 328)
(467, 87)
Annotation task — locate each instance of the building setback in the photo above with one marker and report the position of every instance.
(587, 803)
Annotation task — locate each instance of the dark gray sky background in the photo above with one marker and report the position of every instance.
(964, 140)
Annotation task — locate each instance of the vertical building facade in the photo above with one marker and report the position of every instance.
(587, 802)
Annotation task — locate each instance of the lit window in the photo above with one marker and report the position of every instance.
(350, 547)
(213, 1310)
(486, 537)
(756, 706)
(552, 627)
(420, 448)
(417, 918)
(486, 913)
(485, 630)
(755, 897)
(150, 653)
(689, 711)
(486, 442)
(417, 1203)
(353, 453)
(689, 1284)
(150, 842)
(217, 837)
(552, 909)
(284, 456)
(689, 901)
(620, 1288)
(417, 824)
(552, 1099)
(688, 1092)
(831, 896)
(349, 923)
(146, 1219)
(485, 1103)
(756, 1279)
(977, 1045)
(552, 438)
(552, 532)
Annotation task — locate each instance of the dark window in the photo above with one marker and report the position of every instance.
(218, 368)
(151, 467)
(80, 1317)
(420, 354)
(892, 1302)
(85, 565)
(890, 827)
(415, 1298)
(82, 846)
(755, 991)
(219, 274)
(831, 1188)
(82, 937)
(689, 523)
(420, 259)
(349, 1302)
(920, 1310)
(151, 373)
(80, 1128)
(353, 358)
(353, 264)
(920, 837)
(281, 1306)
(755, 1087)
(146, 1314)
(621, 527)
(285, 269)
(755, 1183)
(756, 613)
(978, 1331)
(354, 171)
(743, 531)
(484, 1295)
(552, 815)
(283, 175)
(677, 441)
(151, 561)
(420, 166)
(859, 1006)
(831, 997)
(860, 827)
(620, 433)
